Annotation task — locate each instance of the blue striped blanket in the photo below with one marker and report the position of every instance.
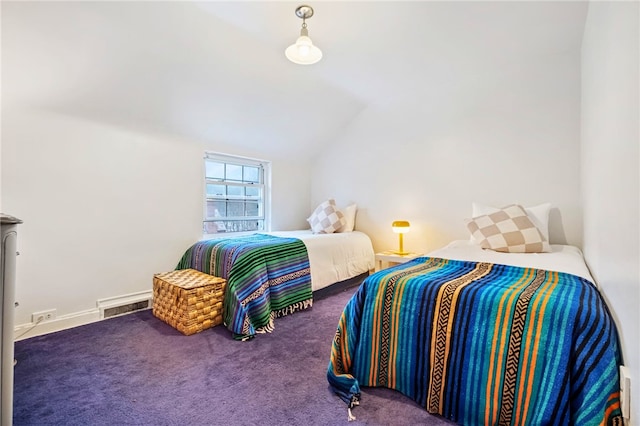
(267, 277)
(481, 344)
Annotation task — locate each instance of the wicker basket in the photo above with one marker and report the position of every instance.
(188, 300)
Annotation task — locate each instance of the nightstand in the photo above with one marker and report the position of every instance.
(386, 259)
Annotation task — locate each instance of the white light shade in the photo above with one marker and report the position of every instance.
(303, 52)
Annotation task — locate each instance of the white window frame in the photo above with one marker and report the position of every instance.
(265, 185)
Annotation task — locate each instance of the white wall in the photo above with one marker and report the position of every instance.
(104, 208)
(610, 167)
(501, 139)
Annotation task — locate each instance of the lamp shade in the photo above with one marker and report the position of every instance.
(303, 51)
(400, 226)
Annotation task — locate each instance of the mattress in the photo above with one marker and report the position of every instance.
(562, 258)
(334, 257)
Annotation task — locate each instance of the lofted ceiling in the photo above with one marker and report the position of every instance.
(216, 71)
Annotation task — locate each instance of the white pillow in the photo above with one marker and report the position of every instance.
(508, 230)
(539, 215)
(326, 218)
(350, 218)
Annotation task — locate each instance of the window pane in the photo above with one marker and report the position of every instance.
(234, 172)
(235, 208)
(216, 209)
(234, 190)
(251, 174)
(252, 191)
(252, 209)
(233, 226)
(214, 227)
(214, 170)
(213, 190)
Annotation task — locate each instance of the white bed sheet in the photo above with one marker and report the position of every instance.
(334, 257)
(563, 258)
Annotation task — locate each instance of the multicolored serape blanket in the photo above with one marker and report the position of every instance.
(267, 277)
(482, 344)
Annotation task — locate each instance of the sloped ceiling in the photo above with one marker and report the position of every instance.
(216, 71)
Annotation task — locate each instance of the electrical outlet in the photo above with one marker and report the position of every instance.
(42, 316)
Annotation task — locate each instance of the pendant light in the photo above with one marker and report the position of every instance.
(303, 50)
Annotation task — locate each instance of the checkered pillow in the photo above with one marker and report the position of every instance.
(326, 218)
(508, 230)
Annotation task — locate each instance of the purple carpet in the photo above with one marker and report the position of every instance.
(137, 370)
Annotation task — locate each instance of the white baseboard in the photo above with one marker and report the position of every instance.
(63, 322)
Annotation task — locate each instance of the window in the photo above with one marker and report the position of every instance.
(235, 194)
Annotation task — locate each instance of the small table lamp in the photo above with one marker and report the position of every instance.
(400, 227)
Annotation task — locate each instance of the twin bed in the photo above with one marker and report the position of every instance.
(274, 274)
(484, 338)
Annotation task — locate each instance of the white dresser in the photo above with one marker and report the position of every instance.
(7, 312)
